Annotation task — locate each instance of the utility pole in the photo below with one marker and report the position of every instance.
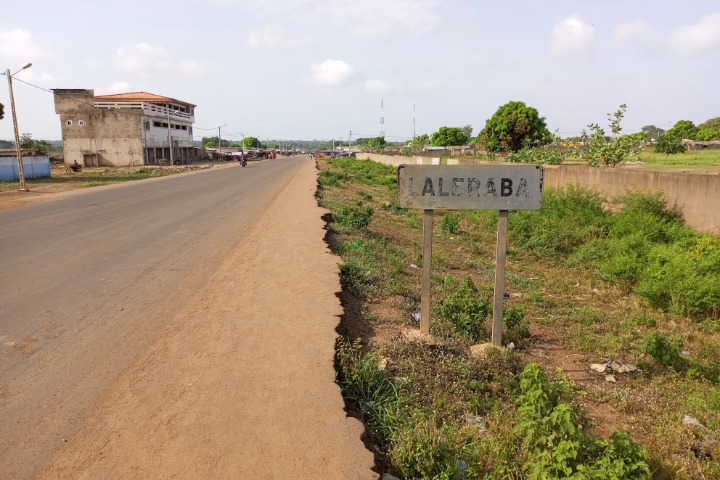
(219, 143)
(413, 121)
(21, 169)
(349, 140)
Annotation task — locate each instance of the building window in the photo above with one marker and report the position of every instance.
(81, 123)
(157, 124)
(147, 125)
(68, 123)
(190, 130)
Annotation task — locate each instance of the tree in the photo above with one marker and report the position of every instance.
(653, 132)
(513, 126)
(610, 151)
(251, 142)
(467, 130)
(26, 141)
(2, 111)
(448, 136)
(684, 129)
(712, 123)
(669, 144)
(377, 143)
(707, 134)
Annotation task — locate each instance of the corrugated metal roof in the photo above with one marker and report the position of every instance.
(138, 97)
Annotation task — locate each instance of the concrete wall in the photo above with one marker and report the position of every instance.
(33, 167)
(696, 195)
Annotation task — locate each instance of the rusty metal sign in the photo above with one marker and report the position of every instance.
(470, 187)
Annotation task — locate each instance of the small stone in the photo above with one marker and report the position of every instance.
(387, 476)
(610, 378)
(598, 367)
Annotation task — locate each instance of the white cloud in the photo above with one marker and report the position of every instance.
(333, 73)
(701, 37)
(273, 37)
(572, 37)
(147, 60)
(18, 46)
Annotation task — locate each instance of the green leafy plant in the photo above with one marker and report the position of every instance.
(466, 309)
(450, 223)
(352, 218)
(600, 150)
(665, 350)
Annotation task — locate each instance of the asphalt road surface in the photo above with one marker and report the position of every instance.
(179, 327)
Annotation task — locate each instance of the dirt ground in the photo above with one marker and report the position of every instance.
(238, 386)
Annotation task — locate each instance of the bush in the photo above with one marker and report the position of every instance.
(352, 218)
(450, 223)
(568, 219)
(666, 351)
(554, 444)
(465, 310)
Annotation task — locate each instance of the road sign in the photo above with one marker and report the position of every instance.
(470, 187)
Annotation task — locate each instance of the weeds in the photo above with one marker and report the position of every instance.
(604, 275)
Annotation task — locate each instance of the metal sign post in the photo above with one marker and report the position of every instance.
(469, 187)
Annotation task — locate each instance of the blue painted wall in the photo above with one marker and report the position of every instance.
(33, 167)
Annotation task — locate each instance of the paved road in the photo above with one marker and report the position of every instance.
(106, 295)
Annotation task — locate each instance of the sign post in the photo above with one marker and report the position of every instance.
(469, 187)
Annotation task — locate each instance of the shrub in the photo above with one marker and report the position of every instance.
(518, 327)
(568, 218)
(328, 178)
(664, 350)
(465, 310)
(555, 445)
(352, 218)
(450, 223)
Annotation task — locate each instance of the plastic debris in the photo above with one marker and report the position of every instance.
(511, 346)
(476, 420)
(415, 316)
(412, 265)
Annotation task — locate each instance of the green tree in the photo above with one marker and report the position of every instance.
(711, 123)
(512, 127)
(669, 144)
(446, 136)
(467, 130)
(251, 142)
(26, 141)
(684, 129)
(43, 147)
(707, 134)
(653, 132)
(416, 145)
(610, 151)
(377, 143)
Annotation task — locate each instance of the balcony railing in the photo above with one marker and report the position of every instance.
(150, 109)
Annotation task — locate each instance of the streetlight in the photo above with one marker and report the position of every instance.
(21, 171)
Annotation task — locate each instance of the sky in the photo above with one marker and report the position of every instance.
(320, 69)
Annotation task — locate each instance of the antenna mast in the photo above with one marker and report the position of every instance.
(382, 119)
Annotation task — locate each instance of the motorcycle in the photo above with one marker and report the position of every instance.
(243, 161)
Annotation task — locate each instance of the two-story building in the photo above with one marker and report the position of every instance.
(124, 129)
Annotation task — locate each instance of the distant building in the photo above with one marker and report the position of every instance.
(124, 129)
